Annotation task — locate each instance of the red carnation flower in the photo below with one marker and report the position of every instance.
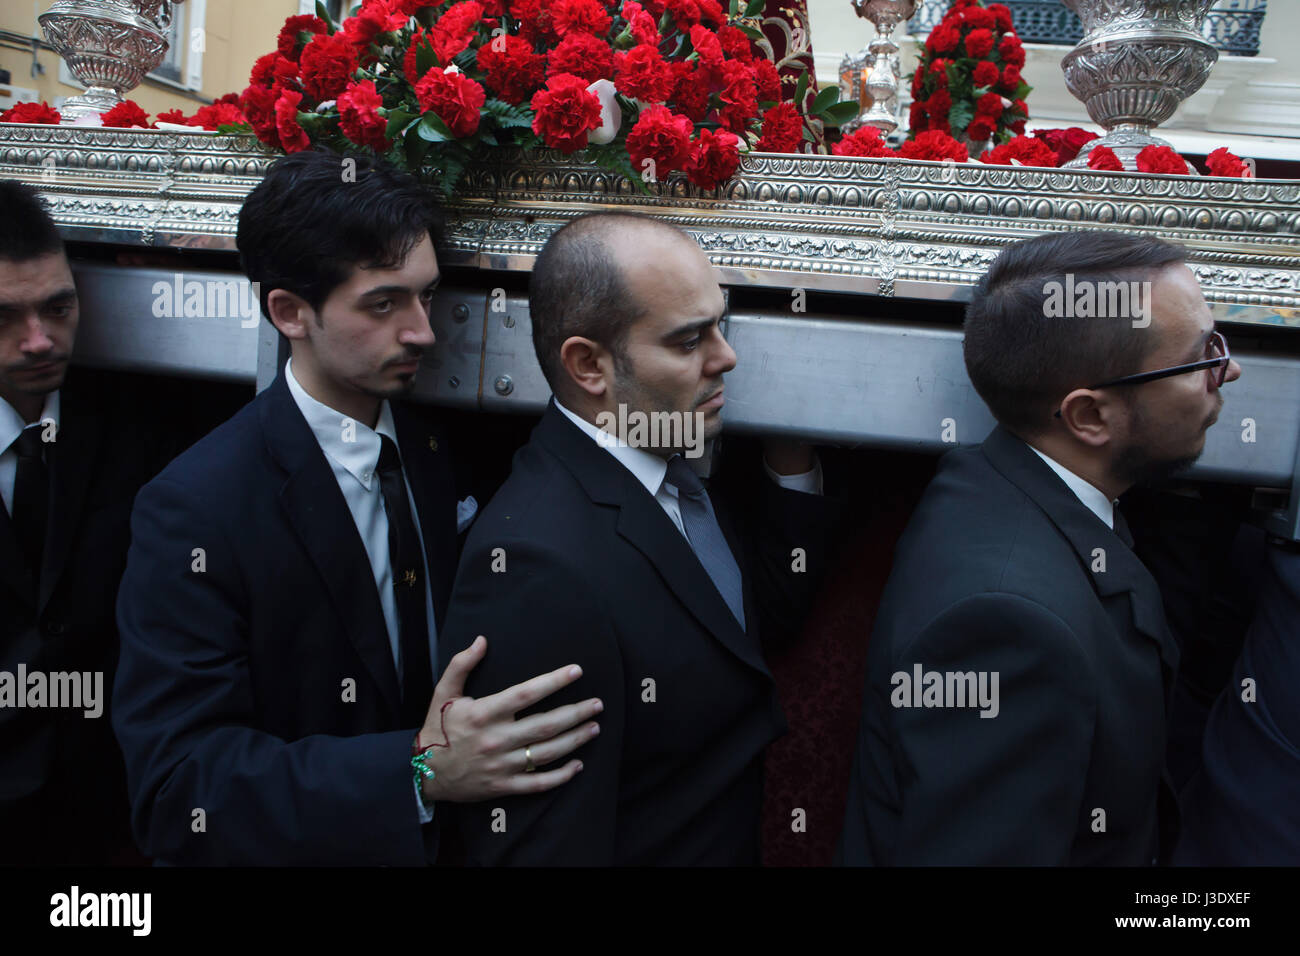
(1160, 159)
(985, 73)
(1002, 14)
(979, 43)
(711, 12)
(690, 89)
(126, 115)
(1223, 163)
(735, 44)
(291, 40)
(328, 63)
(939, 103)
(977, 18)
(943, 39)
(292, 137)
(1010, 81)
(581, 54)
(359, 117)
(643, 25)
(685, 13)
(258, 104)
(1104, 158)
(587, 16)
(1066, 143)
(566, 111)
(642, 73)
(782, 130)
(374, 18)
(454, 97)
(662, 137)
(714, 158)
(516, 72)
(990, 105)
(216, 115)
(177, 117)
(739, 96)
(918, 79)
(271, 69)
(979, 130)
(865, 141)
(534, 20)
(916, 121)
(939, 72)
(934, 145)
(706, 44)
(1025, 150)
(767, 80)
(1011, 50)
(455, 30)
(41, 112)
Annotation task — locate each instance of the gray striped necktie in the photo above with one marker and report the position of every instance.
(705, 535)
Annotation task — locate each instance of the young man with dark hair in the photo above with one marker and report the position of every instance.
(74, 450)
(288, 576)
(604, 547)
(1021, 669)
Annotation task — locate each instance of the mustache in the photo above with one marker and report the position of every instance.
(44, 360)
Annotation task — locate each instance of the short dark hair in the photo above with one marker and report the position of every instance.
(27, 230)
(577, 288)
(1023, 362)
(306, 225)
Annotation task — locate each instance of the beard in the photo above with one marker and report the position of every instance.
(1137, 464)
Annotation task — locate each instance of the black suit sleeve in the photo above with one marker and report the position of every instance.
(1005, 789)
(185, 715)
(539, 614)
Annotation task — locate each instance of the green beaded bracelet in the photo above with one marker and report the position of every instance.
(422, 772)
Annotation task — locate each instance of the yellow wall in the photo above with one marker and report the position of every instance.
(237, 32)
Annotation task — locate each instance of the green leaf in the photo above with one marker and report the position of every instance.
(324, 15)
(432, 128)
(398, 121)
(824, 99)
(466, 59)
(801, 88)
(735, 7)
(425, 59)
(808, 136)
(507, 116)
(755, 7)
(960, 116)
(416, 148)
(751, 32)
(837, 114)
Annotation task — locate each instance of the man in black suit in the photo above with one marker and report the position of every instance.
(75, 447)
(1021, 669)
(288, 576)
(1242, 808)
(604, 547)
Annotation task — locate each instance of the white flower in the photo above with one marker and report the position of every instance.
(452, 68)
(611, 117)
(92, 119)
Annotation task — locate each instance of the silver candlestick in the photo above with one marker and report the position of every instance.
(880, 81)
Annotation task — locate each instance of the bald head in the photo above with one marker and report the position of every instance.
(587, 281)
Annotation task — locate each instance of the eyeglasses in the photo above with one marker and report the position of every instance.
(1217, 356)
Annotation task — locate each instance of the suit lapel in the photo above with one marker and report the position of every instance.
(435, 501)
(643, 523)
(318, 512)
(73, 463)
(1124, 573)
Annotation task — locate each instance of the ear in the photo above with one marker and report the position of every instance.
(289, 313)
(588, 364)
(1093, 417)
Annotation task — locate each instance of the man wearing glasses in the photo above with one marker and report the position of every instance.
(1021, 669)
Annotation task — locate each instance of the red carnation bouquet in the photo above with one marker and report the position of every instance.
(968, 83)
(642, 87)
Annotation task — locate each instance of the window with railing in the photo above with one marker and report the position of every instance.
(1233, 26)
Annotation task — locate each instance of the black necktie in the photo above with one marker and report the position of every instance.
(408, 587)
(705, 535)
(31, 496)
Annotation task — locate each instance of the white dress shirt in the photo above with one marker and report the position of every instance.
(1092, 497)
(650, 469)
(354, 463)
(11, 426)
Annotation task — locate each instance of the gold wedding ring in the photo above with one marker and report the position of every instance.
(528, 760)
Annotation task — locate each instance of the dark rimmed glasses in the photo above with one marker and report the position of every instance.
(1216, 350)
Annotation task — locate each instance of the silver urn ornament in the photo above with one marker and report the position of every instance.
(109, 45)
(1137, 61)
(880, 82)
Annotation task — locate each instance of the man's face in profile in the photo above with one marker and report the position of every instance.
(38, 325)
(674, 357)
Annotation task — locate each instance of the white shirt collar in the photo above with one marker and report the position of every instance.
(12, 424)
(1092, 496)
(359, 456)
(648, 468)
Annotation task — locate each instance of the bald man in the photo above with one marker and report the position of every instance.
(605, 549)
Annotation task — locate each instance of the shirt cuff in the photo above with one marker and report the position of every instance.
(810, 482)
(426, 813)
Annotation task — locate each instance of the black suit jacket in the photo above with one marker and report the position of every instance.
(1243, 807)
(995, 574)
(62, 793)
(230, 697)
(595, 573)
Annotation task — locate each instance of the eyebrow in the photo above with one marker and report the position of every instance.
(683, 330)
(57, 298)
(394, 288)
